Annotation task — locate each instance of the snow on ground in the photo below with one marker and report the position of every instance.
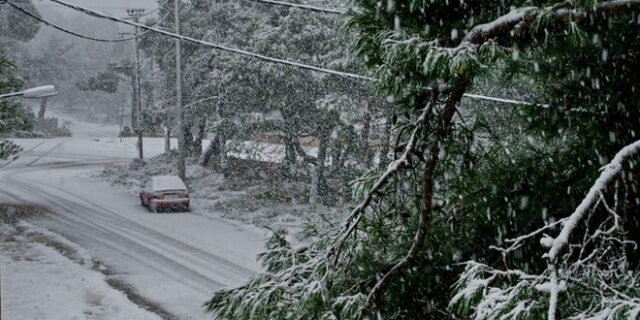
(81, 129)
(173, 262)
(38, 282)
(169, 262)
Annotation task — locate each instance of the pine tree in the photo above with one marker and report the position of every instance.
(457, 187)
(13, 115)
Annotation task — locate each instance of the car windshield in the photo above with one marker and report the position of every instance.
(164, 183)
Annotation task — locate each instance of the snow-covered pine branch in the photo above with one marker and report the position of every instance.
(606, 177)
(358, 212)
(596, 278)
(484, 41)
(561, 242)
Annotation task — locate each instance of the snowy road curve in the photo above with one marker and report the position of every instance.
(172, 261)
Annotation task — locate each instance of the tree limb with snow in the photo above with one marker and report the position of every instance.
(597, 270)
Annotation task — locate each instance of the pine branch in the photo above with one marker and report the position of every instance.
(561, 242)
(446, 117)
(358, 212)
(522, 18)
(606, 177)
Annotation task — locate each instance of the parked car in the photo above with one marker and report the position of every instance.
(165, 193)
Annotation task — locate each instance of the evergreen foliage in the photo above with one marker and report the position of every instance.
(13, 115)
(459, 188)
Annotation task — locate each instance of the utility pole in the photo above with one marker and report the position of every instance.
(4, 22)
(182, 151)
(4, 10)
(136, 122)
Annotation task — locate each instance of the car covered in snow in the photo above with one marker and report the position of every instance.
(165, 193)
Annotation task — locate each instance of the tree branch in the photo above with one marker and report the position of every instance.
(610, 172)
(561, 242)
(521, 19)
(427, 194)
(358, 212)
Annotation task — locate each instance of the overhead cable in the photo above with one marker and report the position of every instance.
(214, 45)
(263, 57)
(301, 6)
(38, 4)
(503, 100)
(36, 17)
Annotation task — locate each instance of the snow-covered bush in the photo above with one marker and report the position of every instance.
(8, 148)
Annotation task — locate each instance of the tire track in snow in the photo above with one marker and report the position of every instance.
(46, 153)
(115, 283)
(140, 230)
(152, 260)
(105, 228)
(25, 152)
(134, 232)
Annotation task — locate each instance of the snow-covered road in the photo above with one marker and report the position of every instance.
(172, 262)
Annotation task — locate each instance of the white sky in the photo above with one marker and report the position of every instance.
(67, 17)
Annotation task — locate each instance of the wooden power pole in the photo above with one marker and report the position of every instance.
(136, 122)
(182, 148)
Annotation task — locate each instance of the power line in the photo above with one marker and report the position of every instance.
(502, 100)
(263, 57)
(301, 6)
(38, 4)
(270, 2)
(214, 45)
(35, 17)
(70, 69)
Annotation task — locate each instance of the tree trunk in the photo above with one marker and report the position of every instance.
(336, 155)
(364, 142)
(197, 142)
(317, 177)
(386, 143)
(290, 150)
(223, 151)
(188, 138)
(212, 149)
(43, 109)
(167, 138)
(342, 148)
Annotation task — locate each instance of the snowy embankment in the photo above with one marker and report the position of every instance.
(40, 282)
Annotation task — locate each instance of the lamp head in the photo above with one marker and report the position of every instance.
(40, 92)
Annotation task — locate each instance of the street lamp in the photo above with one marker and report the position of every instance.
(33, 93)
